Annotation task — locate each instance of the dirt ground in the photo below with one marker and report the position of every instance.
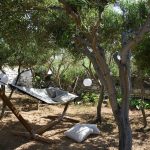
(106, 140)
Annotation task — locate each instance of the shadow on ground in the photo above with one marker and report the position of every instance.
(8, 141)
(107, 140)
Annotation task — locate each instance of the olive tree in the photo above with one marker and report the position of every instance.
(88, 41)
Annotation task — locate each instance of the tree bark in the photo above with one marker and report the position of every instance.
(142, 105)
(99, 106)
(125, 135)
(144, 117)
(3, 104)
(98, 118)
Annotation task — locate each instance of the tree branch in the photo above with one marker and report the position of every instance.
(139, 36)
(90, 72)
(96, 57)
(71, 12)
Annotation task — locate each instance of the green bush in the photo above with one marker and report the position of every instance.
(39, 76)
(70, 75)
(138, 103)
(89, 97)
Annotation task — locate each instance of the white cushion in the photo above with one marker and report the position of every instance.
(94, 127)
(79, 133)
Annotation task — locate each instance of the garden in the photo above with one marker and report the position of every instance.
(75, 65)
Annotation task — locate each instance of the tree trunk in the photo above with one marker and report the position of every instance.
(144, 117)
(3, 104)
(125, 134)
(120, 112)
(99, 106)
(142, 105)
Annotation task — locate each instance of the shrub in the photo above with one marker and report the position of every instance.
(138, 103)
(89, 97)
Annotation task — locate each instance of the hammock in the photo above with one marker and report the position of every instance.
(49, 95)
